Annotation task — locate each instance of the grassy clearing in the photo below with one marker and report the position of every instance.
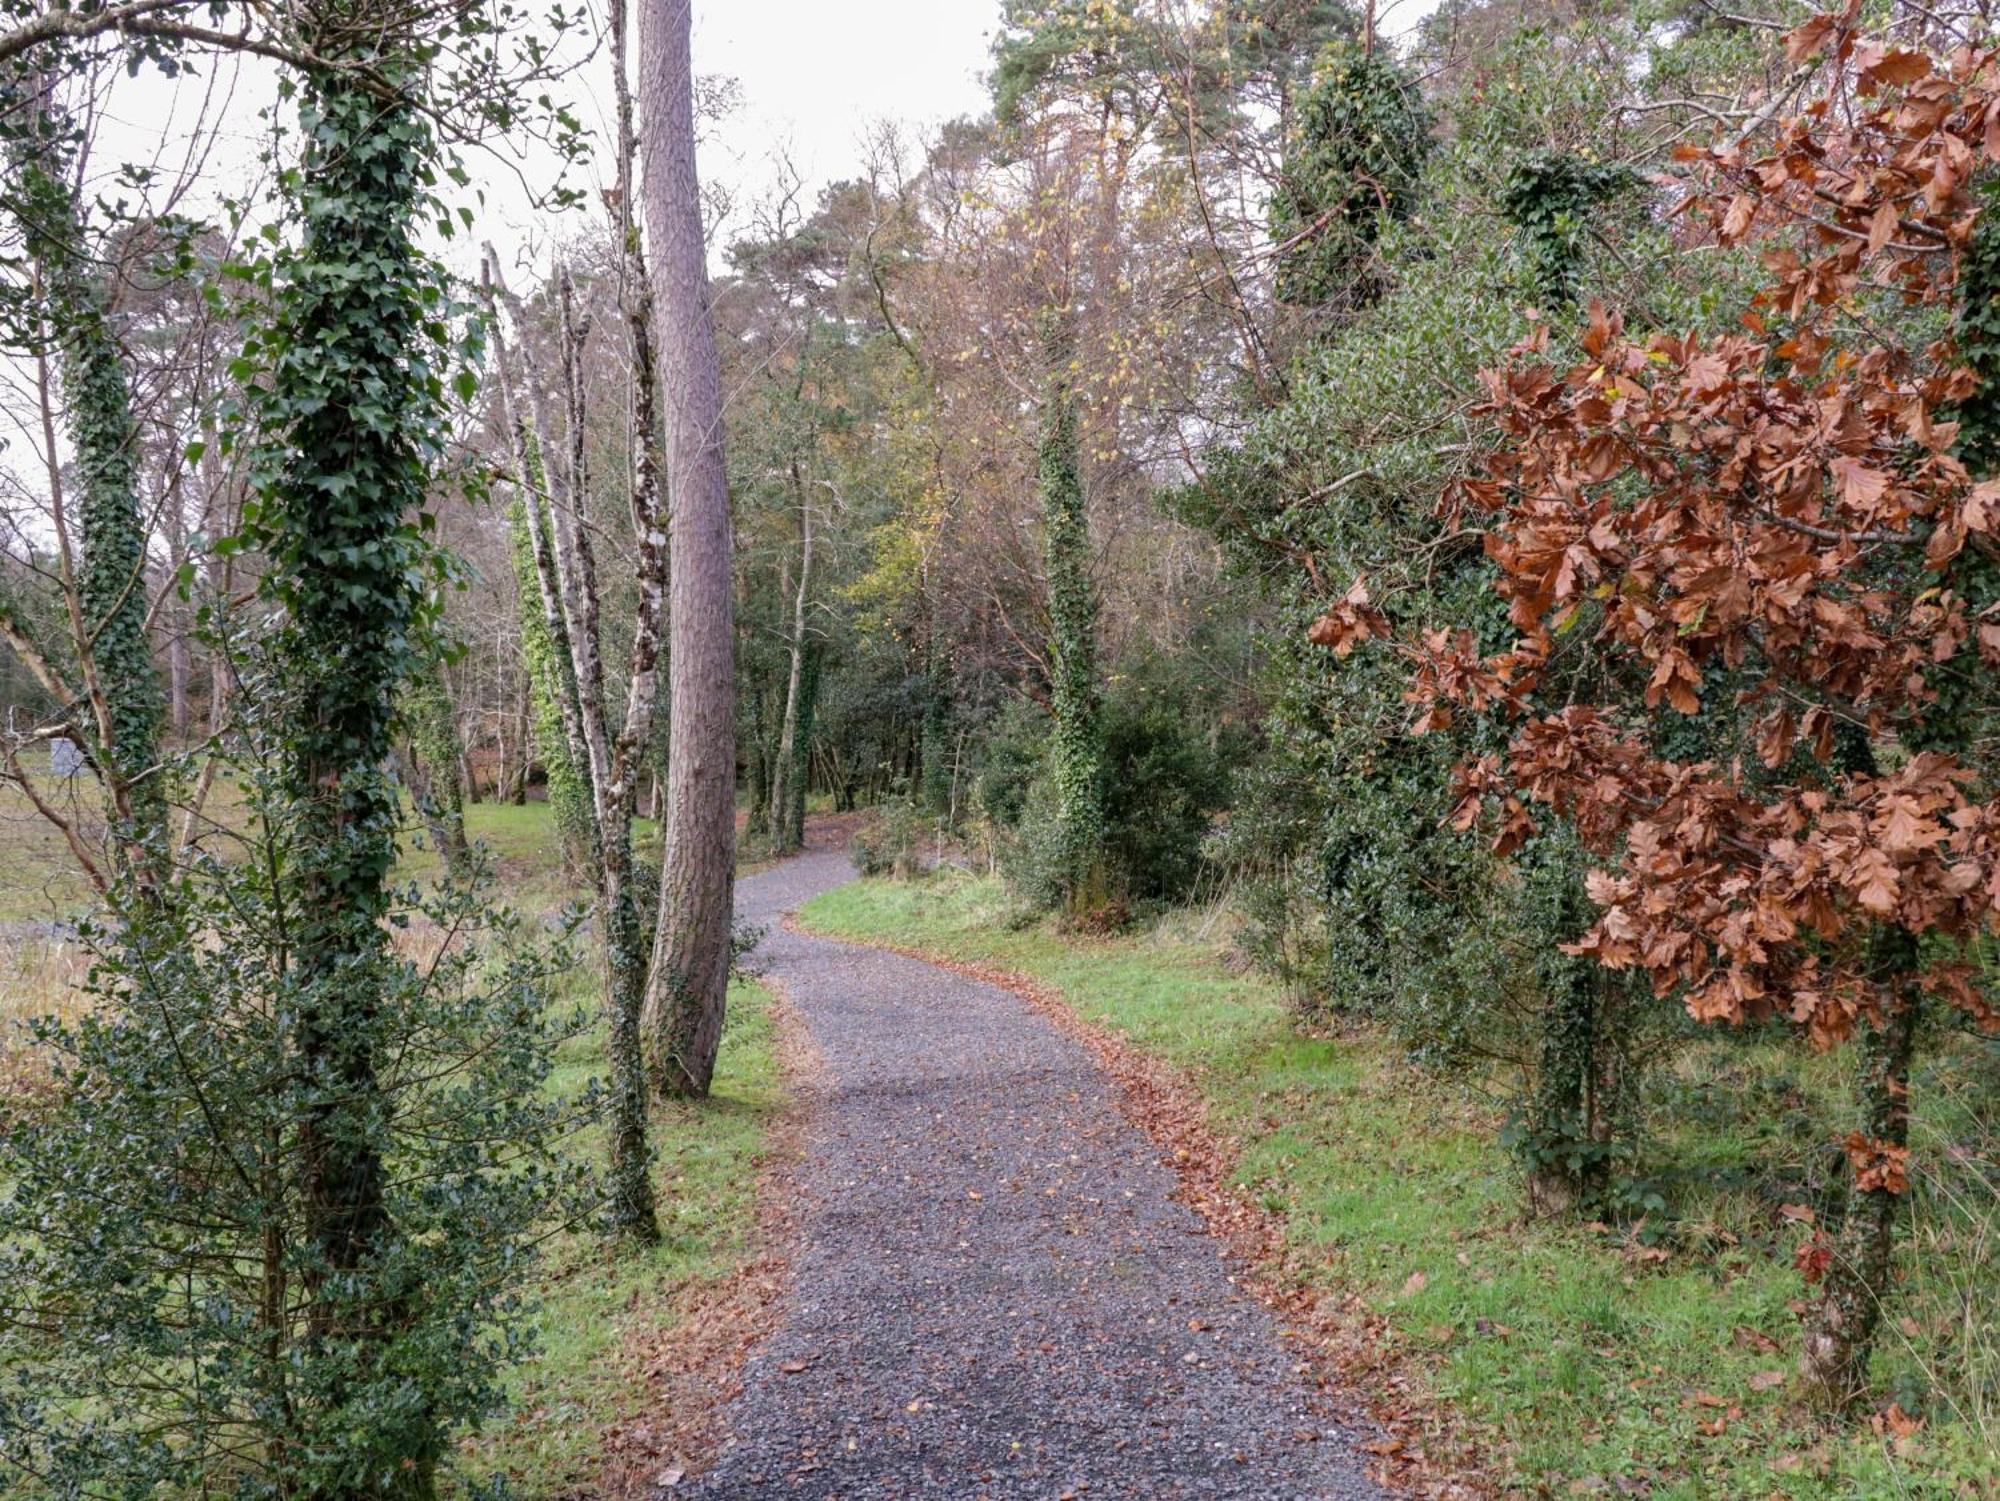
(594, 1297)
(1589, 1361)
(41, 963)
(43, 882)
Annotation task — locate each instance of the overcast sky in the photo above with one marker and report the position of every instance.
(814, 77)
(816, 74)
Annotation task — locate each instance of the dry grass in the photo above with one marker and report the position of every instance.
(43, 882)
(41, 974)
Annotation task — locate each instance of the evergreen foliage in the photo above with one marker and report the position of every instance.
(179, 1315)
(1548, 197)
(1360, 136)
(1164, 775)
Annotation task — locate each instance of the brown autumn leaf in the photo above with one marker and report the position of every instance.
(1861, 485)
(1802, 41)
(1737, 219)
(1883, 226)
(1895, 68)
(1743, 1337)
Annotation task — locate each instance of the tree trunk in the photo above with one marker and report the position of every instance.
(435, 768)
(783, 838)
(1574, 1115)
(689, 984)
(523, 739)
(1840, 1333)
(801, 775)
(1078, 746)
(544, 634)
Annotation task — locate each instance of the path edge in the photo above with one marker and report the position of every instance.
(695, 1370)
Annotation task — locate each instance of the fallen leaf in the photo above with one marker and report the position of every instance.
(1764, 1381)
(792, 1367)
(1746, 1338)
(1418, 1281)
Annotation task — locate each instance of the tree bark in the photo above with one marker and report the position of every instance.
(783, 839)
(687, 990)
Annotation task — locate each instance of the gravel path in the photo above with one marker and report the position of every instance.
(995, 1295)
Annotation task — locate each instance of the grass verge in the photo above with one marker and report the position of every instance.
(608, 1400)
(1583, 1360)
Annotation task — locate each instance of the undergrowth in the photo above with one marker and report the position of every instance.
(1653, 1357)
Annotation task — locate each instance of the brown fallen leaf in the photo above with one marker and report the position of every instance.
(1743, 1337)
(1898, 1422)
(1764, 1381)
(672, 1475)
(1416, 1284)
(792, 1367)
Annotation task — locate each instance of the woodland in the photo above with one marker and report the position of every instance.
(1416, 586)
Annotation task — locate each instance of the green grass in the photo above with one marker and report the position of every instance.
(1582, 1358)
(594, 1296)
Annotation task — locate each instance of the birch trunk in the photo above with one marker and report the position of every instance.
(686, 992)
(782, 834)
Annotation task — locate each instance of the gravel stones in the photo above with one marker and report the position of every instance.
(995, 1294)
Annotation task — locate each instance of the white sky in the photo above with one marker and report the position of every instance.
(815, 77)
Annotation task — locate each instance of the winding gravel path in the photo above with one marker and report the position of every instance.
(995, 1295)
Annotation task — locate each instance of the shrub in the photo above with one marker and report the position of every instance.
(1165, 777)
(164, 1329)
(892, 844)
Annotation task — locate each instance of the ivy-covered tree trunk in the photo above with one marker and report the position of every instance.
(357, 434)
(542, 619)
(1077, 753)
(688, 990)
(434, 768)
(934, 744)
(113, 653)
(550, 682)
(1569, 1139)
(800, 779)
(757, 758)
(1844, 1320)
